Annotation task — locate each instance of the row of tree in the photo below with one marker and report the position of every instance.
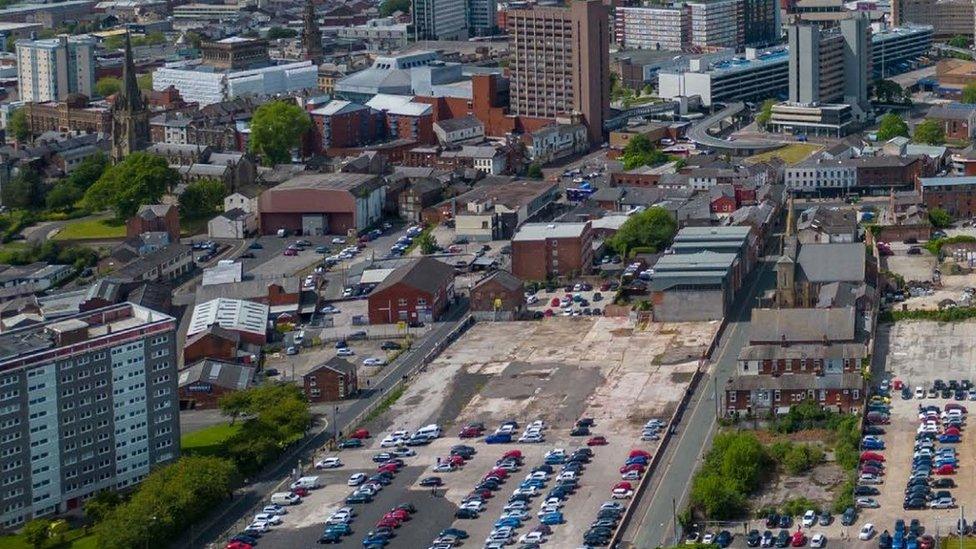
(650, 230)
(928, 132)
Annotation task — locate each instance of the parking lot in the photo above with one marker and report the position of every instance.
(557, 371)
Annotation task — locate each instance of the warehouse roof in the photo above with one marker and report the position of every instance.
(216, 372)
(231, 314)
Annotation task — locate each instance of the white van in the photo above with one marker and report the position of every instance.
(285, 498)
(309, 483)
(433, 430)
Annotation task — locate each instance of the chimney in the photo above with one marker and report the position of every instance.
(783, 342)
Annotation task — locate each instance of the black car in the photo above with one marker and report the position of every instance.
(916, 503)
(585, 422)
(944, 483)
(772, 521)
(580, 432)
(783, 538)
(390, 346)
(545, 468)
(246, 255)
(244, 538)
(906, 393)
(466, 514)
(915, 528)
(849, 516)
(874, 430)
(884, 540)
(431, 481)
(753, 538)
(724, 538)
(861, 490)
(785, 521)
(330, 536)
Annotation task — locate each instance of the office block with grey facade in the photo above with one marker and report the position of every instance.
(440, 19)
(49, 70)
(88, 402)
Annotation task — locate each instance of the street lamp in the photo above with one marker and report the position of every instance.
(335, 426)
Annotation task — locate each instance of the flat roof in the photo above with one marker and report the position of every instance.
(542, 231)
(947, 181)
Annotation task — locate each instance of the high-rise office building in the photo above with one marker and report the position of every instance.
(560, 62)
(440, 19)
(49, 70)
(760, 22)
(653, 27)
(830, 66)
(482, 17)
(715, 25)
(87, 402)
(948, 17)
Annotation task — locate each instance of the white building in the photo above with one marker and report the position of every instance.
(234, 223)
(241, 200)
(48, 70)
(714, 24)
(238, 315)
(207, 85)
(440, 19)
(653, 28)
(457, 131)
(556, 141)
(820, 173)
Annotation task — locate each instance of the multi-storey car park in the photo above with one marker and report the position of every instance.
(88, 402)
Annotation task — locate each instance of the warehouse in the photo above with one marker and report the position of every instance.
(327, 203)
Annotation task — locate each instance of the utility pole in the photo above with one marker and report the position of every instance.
(674, 518)
(335, 426)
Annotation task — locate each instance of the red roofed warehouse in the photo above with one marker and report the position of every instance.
(418, 291)
(326, 203)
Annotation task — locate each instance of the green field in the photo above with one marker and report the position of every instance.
(92, 229)
(207, 441)
(74, 539)
(794, 153)
(953, 543)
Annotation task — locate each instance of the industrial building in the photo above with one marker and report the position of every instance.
(316, 204)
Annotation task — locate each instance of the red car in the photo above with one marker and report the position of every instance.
(301, 492)
(469, 432)
(625, 485)
(512, 454)
(454, 460)
(597, 441)
(360, 434)
(500, 473)
(399, 514)
(388, 522)
(955, 406)
(632, 467)
(554, 302)
(639, 453)
(952, 431)
(945, 470)
(238, 545)
(483, 494)
(799, 540)
(871, 470)
(387, 468)
(871, 456)
(290, 252)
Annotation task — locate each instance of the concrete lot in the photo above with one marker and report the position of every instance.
(556, 370)
(295, 366)
(911, 267)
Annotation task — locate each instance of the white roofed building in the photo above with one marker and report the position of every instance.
(247, 318)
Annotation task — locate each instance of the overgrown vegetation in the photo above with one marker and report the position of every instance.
(51, 252)
(652, 228)
(940, 218)
(733, 469)
(641, 152)
(954, 314)
(796, 459)
(386, 403)
(935, 245)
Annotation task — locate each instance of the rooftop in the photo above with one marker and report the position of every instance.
(947, 181)
(402, 105)
(542, 231)
(330, 181)
(215, 372)
(231, 314)
(802, 325)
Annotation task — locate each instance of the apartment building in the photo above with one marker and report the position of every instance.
(440, 20)
(49, 70)
(560, 63)
(715, 25)
(948, 18)
(87, 402)
(541, 251)
(653, 28)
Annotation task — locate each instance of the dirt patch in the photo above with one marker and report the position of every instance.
(678, 355)
(464, 388)
(809, 435)
(817, 485)
(622, 332)
(681, 377)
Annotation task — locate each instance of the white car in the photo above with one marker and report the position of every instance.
(631, 475)
(528, 491)
(537, 424)
(259, 526)
(345, 351)
(556, 452)
(532, 537)
(474, 505)
(445, 467)
(328, 463)
(553, 502)
(708, 538)
(867, 531)
(274, 509)
(531, 438)
(621, 493)
(919, 393)
(546, 509)
(338, 240)
(372, 361)
(867, 503)
(329, 310)
(520, 514)
(356, 479)
(537, 475)
(818, 540)
(390, 441)
(515, 506)
(809, 518)
(270, 518)
(403, 452)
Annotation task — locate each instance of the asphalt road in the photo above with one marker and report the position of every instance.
(653, 524)
(247, 498)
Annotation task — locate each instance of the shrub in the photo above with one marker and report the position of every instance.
(798, 506)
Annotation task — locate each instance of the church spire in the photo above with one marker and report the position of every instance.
(129, 96)
(130, 117)
(311, 35)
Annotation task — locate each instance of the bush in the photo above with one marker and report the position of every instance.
(641, 250)
(802, 457)
(798, 506)
(935, 246)
(954, 314)
(732, 470)
(844, 497)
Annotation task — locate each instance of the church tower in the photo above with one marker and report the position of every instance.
(311, 35)
(786, 264)
(130, 115)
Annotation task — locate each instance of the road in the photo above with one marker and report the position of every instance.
(242, 506)
(669, 489)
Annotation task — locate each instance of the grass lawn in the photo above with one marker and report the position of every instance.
(208, 441)
(794, 153)
(953, 543)
(92, 229)
(74, 539)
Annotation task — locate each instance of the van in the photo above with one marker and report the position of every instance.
(309, 483)
(429, 430)
(285, 498)
(282, 233)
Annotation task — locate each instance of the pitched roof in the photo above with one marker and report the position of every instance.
(457, 124)
(506, 279)
(849, 380)
(778, 325)
(216, 372)
(232, 314)
(425, 274)
(834, 262)
(336, 364)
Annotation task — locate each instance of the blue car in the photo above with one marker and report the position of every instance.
(873, 446)
(555, 460)
(552, 518)
(498, 438)
(642, 460)
(949, 439)
(514, 522)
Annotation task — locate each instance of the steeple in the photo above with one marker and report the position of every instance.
(311, 35)
(130, 117)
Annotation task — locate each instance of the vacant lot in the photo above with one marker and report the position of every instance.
(92, 229)
(794, 153)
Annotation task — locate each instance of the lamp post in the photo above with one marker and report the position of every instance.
(335, 426)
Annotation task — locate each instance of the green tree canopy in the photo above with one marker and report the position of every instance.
(18, 126)
(969, 93)
(765, 113)
(940, 218)
(427, 243)
(651, 228)
(202, 198)
(389, 7)
(87, 173)
(107, 85)
(36, 532)
(929, 132)
(891, 126)
(534, 171)
(276, 129)
(274, 33)
(63, 196)
(141, 178)
(959, 41)
(23, 190)
(641, 152)
(889, 91)
(272, 416)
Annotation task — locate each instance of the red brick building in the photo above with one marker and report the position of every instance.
(322, 203)
(163, 218)
(956, 195)
(419, 291)
(202, 384)
(405, 118)
(958, 119)
(888, 171)
(345, 124)
(332, 380)
(215, 342)
(722, 199)
(554, 250)
(498, 296)
(759, 394)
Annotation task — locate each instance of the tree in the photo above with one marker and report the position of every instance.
(959, 41)
(940, 218)
(276, 129)
(716, 498)
(63, 196)
(652, 228)
(929, 132)
(107, 86)
(765, 113)
(892, 126)
(647, 90)
(889, 91)
(274, 33)
(641, 152)
(36, 532)
(99, 506)
(141, 178)
(87, 173)
(144, 81)
(534, 171)
(969, 93)
(202, 198)
(427, 243)
(58, 529)
(19, 127)
(389, 7)
(23, 190)
(273, 416)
